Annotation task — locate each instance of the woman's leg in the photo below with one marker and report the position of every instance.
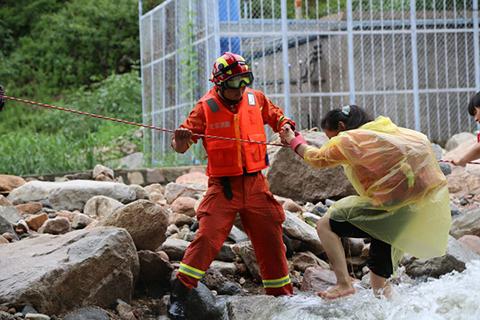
(380, 265)
(336, 255)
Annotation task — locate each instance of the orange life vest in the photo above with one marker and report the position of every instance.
(225, 156)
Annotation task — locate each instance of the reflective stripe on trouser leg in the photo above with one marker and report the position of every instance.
(276, 283)
(191, 271)
(262, 220)
(215, 216)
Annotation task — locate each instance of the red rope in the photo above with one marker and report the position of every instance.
(98, 116)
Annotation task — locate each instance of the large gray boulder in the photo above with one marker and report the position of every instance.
(455, 259)
(55, 274)
(289, 176)
(71, 195)
(145, 221)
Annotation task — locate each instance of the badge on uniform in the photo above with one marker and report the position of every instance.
(251, 99)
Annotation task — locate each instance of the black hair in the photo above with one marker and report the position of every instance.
(474, 103)
(352, 116)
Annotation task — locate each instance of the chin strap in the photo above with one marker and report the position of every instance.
(227, 101)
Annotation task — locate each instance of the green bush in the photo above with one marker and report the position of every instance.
(82, 42)
(44, 141)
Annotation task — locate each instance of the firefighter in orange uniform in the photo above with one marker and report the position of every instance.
(236, 183)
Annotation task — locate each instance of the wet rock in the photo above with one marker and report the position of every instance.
(5, 202)
(246, 252)
(9, 183)
(226, 253)
(184, 205)
(467, 223)
(454, 210)
(36, 316)
(64, 214)
(237, 235)
(7, 228)
(353, 246)
(81, 221)
(102, 173)
(28, 309)
(175, 248)
(226, 268)
(3, 240)
(305, 184)
(292, 206)
(99, 207)
(298, 229)
(472, 242)
(215, 280)
(303, 260)
(201, 305)
(461, 183)
(125, 311)
(29, 208)
(59, 225)
(455, 259)
(181, 219)
(318, 279)
(9, 236)
(155, 273)
(446, 168)
(71, 195)
(11, 214)
(145, 221)
(58, 273)
(88, 313)
(154, 176)
(175, 190)
(193, 178)
(21, 227)
(155, 193)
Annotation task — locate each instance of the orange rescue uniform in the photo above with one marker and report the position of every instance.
(241, 164)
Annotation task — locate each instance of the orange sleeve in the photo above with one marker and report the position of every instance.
(273, 115)
(195, 121)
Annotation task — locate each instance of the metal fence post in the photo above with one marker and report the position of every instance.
(351, 63)
(416, 97)
(286, 64)
(144, 114)
(476, 45)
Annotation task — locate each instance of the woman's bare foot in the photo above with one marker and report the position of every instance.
(336, 292)
(385, 292)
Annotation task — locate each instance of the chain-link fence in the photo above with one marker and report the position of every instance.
(416, 61)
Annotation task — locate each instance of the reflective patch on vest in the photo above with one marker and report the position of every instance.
(219, 125)
(213, 105)
(251, 99)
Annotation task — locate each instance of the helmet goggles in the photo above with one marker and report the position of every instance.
(236, 82)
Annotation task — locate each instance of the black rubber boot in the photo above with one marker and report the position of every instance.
(178, 298)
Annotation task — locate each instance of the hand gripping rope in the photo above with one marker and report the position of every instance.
(98, 116)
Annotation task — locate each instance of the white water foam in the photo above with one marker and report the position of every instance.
(455, 296)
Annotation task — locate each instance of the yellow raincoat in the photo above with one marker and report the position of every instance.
(403, 196)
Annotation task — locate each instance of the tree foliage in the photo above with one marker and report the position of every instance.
(81, 42)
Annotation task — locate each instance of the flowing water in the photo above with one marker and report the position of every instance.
(454, 296)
